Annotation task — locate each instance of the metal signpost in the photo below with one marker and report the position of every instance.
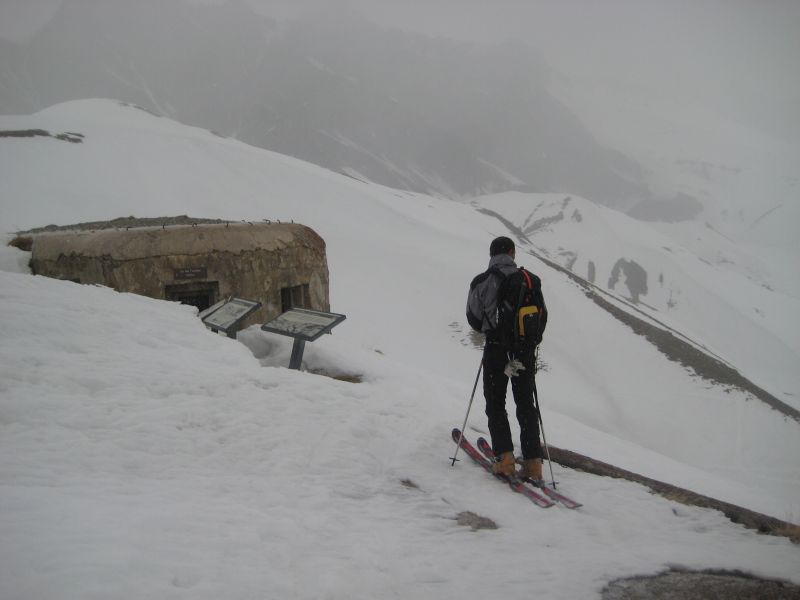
(304, 325)
(227, 315)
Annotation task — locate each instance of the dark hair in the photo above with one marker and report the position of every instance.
(501, 245)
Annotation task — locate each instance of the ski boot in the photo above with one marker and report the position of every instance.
(505, 465)
(531, 469)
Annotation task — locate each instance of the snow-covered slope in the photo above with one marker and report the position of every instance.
(745, 177)
(721, 294)
(143, 456)
(156, 459)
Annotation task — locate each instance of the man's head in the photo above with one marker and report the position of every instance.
(501, 245)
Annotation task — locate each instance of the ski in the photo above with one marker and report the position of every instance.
(514, 483)
(549, 491)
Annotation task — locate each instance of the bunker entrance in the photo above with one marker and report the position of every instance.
(296, 296)
(202, 294)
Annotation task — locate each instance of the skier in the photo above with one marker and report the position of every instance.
(493, 296)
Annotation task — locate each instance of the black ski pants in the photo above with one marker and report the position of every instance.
(495, 384)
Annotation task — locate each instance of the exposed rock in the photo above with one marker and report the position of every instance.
(678, 584)
(75, 138)
(475, 521)
(750, 519)
(635, 278)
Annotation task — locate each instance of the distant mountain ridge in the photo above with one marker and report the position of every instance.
(401, 109)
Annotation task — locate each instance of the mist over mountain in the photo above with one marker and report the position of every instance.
(407, 110)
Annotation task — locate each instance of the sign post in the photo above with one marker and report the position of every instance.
(304, 325)
(228, 314)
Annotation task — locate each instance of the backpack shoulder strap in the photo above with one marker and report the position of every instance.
(527, 278)
(478, 279)
(531, 281)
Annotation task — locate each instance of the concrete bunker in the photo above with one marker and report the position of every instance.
(281, 265)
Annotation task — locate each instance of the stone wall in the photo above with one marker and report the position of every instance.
(252, 261)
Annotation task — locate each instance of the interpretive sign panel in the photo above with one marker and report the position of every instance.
(228, 315)
(304, 325)
(204, 313)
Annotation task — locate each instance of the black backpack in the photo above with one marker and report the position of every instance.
(521, 312)
(476, 321)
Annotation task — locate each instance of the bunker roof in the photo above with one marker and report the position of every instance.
(144, 242)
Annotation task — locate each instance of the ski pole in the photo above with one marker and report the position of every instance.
(544, 438)
(469, 407)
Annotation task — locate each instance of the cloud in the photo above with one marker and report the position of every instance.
(21, 18)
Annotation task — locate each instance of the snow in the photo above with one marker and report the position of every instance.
(738, 172)
(143, 456)
(688, 287)
(13, 260)
(146, 457)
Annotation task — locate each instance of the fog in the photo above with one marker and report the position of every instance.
(450, 97)
(738, 56)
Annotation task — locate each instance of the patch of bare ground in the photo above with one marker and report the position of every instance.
(678, 584)
(750, 519)
(474, 521)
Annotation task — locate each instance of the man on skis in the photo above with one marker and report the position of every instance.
(506, 304)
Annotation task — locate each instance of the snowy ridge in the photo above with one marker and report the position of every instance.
(153, 458)
(744, 178)
(671, 283)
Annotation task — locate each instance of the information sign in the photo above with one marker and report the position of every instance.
(204, 313)
(304, 325)
(190, 273)
(228, 315)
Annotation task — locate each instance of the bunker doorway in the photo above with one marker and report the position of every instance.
(296, 296)
(201, 294)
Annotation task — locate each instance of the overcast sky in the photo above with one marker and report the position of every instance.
(721, 52)
(742, 47)
(631, 33)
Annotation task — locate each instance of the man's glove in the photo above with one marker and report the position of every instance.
(513, 368)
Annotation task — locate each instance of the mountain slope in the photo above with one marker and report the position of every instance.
(132, 162)
(744, 177)
(143, 455)
(748, 302)
(155, 438)
(413, 112)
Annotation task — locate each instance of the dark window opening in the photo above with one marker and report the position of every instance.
(295, 297)
(201, 294)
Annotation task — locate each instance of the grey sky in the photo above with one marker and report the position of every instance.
(736, 56)
(722, 52)
(755, 37)
(20, 18)
(741, 52)
(615, 94)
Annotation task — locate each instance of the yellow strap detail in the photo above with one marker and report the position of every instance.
(524, 312)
